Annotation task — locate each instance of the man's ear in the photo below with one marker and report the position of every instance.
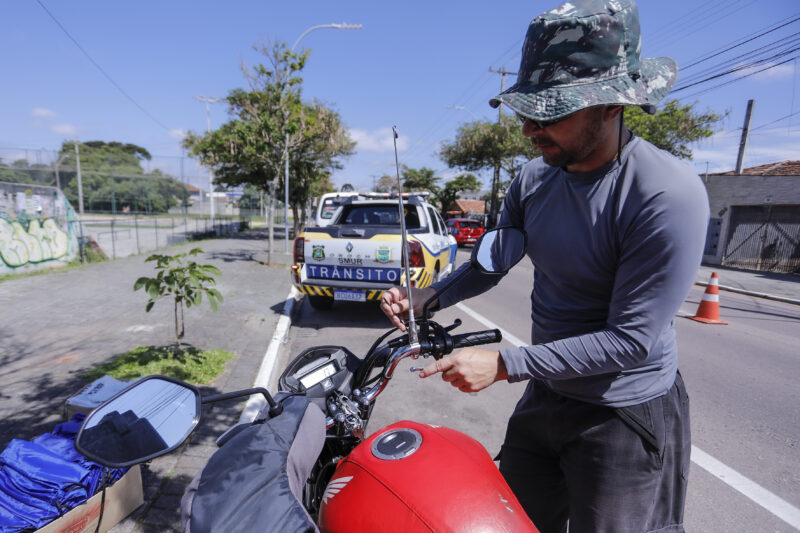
(612, 112)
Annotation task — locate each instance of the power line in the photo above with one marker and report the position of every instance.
(103, 72)
(715, 14)
(666, 29)
(466, 97)
(744, 67)
(740, 42)
(779, 48)
(738, 79)
(776, 120)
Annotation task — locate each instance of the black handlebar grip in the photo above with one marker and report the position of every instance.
(479, 337)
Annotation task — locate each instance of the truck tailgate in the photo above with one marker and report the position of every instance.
(349, 258)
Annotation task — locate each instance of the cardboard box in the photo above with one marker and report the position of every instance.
(93, 395)
(122, 498)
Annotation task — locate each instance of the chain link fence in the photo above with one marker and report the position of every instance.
(112, 181)
(114, 206)
(124, 235)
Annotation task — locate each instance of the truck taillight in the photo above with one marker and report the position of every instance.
(417, 258)
(299, 250)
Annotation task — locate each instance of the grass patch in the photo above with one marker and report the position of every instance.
(187, 364)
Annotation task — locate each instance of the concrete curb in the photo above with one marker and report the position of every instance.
(753, 293)
(264, 376)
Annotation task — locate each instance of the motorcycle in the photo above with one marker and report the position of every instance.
(305, 462)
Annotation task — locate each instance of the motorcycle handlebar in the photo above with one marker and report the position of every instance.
(458, 341)
(478, 337)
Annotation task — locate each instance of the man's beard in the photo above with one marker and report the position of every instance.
(585, 142)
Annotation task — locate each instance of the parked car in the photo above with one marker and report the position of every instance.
(328, 204)
(357, 256)
(465, 230)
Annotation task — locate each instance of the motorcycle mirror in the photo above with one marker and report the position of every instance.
(498, 250)
(148, 419)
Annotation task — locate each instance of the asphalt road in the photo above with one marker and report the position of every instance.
(742, 379)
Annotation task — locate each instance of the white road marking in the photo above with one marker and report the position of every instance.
(749, 488)
(769, 501)
(257, 401)
(488, 323)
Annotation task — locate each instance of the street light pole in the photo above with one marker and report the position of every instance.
(55, 167)
(342, 26)
(80, 182)
(209, 100)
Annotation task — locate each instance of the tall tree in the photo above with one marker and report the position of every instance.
(499, 146)
(422, 179)
(386, 183)
(449, 193)
(325, 140)
(673, 127)
(252, 147)
(113, 177)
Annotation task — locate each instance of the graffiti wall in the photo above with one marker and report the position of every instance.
(38, 228)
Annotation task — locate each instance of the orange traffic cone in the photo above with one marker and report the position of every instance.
(708, 310)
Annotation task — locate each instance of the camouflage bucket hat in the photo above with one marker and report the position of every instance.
(582, 54)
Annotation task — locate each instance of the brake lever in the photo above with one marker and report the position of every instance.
(454, 325)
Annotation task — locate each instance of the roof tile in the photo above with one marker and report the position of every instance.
(781, 168)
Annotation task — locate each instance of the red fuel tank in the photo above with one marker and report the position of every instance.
(412, 477)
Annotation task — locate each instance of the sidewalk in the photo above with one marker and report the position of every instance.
(770, 285)
(57, 325)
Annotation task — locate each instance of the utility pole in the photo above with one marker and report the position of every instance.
(207, 101)
(745, 134)
(503, 73)
(80, 183)
(55, 167)
(80, 201)
(496, 179)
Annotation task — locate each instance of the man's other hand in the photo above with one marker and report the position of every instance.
(394, 303)
(469, 369)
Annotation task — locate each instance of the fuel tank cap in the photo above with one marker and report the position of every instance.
(397, 443)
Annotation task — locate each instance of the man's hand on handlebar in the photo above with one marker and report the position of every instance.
(394, 303)
(469, 369)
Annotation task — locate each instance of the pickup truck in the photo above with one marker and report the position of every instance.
(358, 256)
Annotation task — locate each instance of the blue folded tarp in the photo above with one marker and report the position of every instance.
(42, 480)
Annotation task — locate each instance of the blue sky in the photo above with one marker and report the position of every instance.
(422, 66)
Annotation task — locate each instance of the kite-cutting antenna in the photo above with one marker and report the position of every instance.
(412, 324)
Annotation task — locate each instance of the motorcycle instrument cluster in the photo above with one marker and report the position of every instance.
(318, 372)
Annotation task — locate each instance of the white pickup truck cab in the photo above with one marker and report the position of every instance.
(358, 256)
(328, 204)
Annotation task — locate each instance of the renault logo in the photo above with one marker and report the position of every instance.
(349, 247)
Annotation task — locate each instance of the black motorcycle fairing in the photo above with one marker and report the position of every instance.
(255, 481)
(343, 362)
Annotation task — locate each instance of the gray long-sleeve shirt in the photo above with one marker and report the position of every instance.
(615, 252)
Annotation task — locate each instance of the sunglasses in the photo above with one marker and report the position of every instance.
(540, 124)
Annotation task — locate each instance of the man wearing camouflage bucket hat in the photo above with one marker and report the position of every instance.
(616, 228)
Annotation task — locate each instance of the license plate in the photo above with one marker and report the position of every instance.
(349, 296)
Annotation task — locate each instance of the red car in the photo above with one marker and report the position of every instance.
(465, 230)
